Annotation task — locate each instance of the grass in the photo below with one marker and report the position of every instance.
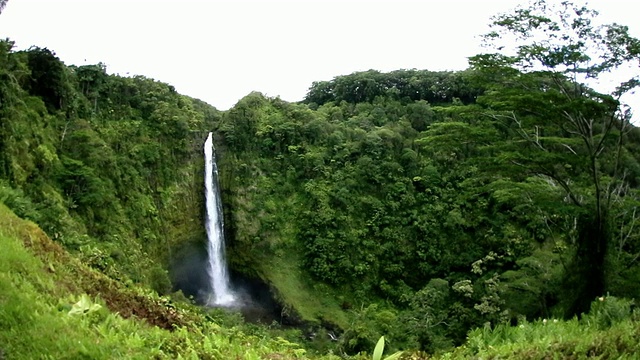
(42, 288)
(312, 304)
(40, 285)
(35, 304)
(610, 331)
(34, 324)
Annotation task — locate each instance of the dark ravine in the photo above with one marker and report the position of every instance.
(256, 301)
(255, 298)
(187, 271)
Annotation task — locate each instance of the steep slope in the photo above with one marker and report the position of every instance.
(108, 166)
(51, 305)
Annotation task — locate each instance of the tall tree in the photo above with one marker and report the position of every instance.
(574, 129)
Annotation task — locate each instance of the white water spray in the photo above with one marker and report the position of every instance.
(217, 268)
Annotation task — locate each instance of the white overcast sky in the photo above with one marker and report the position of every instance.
(219, 51)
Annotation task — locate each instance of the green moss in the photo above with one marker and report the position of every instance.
(313, 303)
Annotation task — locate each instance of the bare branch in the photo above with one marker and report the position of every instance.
(570, 149)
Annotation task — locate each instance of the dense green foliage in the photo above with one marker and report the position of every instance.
(429, 203)
(106, 162)
(404, 85)
(413, 204)
(609, 331)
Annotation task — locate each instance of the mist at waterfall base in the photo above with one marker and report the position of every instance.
(253, 298)
(201, 271)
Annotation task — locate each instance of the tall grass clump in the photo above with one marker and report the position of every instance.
(609, 330)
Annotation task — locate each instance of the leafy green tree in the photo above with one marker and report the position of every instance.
(571, 131)
(49, 78)
(428, 316)
(404, 85)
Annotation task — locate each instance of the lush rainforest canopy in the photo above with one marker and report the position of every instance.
(412, 204)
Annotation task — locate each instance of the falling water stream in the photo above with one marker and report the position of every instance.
(251, 297)
(221, 293)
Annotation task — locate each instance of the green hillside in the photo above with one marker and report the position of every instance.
(53, 306)
(450, 212)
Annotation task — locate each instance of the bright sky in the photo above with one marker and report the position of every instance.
(219, 51)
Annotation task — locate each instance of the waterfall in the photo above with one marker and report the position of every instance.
(221, 293)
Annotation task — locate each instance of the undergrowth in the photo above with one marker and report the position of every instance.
(610, 330)
(54, 307)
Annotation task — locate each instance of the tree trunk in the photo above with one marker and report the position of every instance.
(586, 280)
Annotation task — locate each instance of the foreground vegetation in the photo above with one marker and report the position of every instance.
(413, 204)
(46, 312)
(53, 306)
(609, 331)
